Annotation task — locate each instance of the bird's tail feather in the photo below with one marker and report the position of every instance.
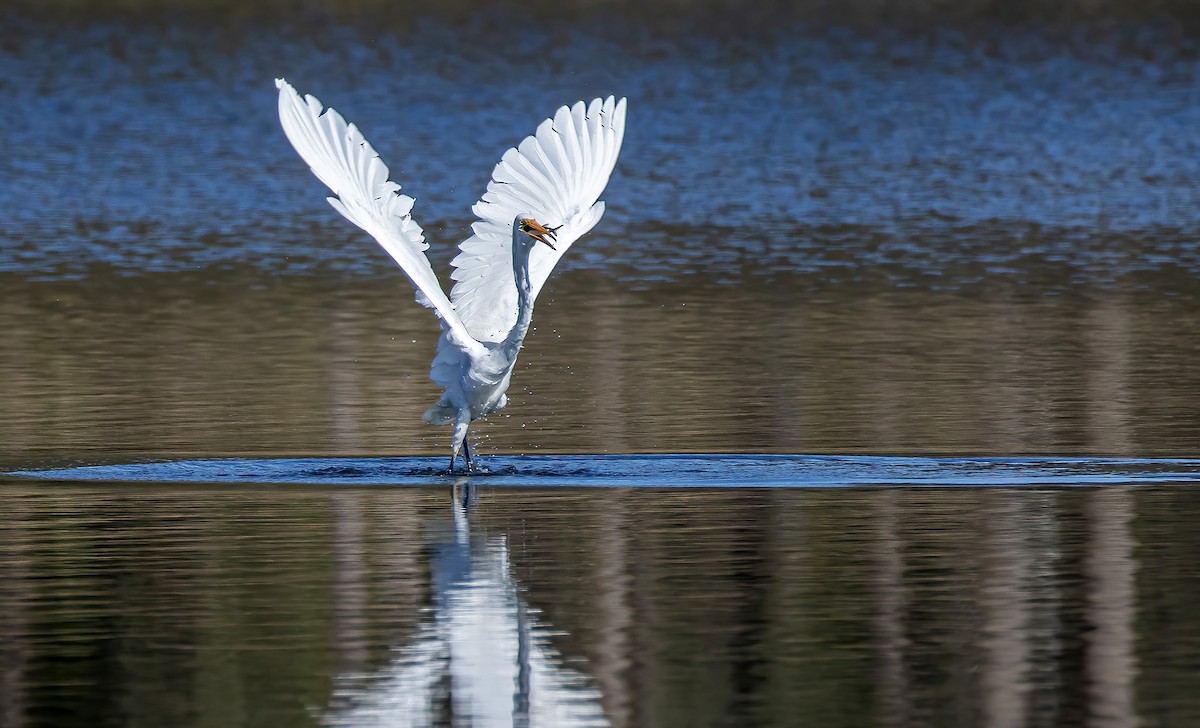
(440, 413)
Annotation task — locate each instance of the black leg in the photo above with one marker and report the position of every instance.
(467, 456)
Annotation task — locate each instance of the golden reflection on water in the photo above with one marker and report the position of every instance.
(240, 362)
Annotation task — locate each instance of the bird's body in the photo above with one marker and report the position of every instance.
(545, 190)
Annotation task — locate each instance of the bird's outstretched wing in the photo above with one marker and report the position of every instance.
(557, 174)
(346, 162)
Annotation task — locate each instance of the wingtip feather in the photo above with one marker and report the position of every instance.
(341, 157)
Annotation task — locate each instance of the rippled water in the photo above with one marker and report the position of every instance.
(911, 317)
(939, 160)
(677, 471)
(245, 605)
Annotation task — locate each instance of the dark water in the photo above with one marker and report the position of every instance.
(913, 317)
(241, 605)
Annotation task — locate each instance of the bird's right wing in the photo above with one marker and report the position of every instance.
(557, 175)
(346, 162)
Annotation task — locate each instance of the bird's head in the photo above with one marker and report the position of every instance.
(526, 227)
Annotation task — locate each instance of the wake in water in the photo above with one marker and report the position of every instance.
(659, 471)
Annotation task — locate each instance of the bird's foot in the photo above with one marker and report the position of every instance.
(468, 461)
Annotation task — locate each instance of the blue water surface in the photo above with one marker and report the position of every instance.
(686, 471)
(934, 156)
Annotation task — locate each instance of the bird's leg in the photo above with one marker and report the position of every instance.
(461, 494)
(467, 456)
(460, 438)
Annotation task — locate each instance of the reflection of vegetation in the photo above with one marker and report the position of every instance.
(240, 362)
(154, 611)
(923, 607)
(143, 605)
(1167, 595)
(149, 607)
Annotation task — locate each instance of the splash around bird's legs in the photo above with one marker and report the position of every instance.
(466, 452)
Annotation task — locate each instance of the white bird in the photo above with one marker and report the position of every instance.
(545, 190)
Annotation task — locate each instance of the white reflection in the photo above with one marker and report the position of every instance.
(482, 658)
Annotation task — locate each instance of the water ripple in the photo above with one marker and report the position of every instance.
(683, 471)
(801, 152)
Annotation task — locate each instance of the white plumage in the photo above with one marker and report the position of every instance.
(544, 190)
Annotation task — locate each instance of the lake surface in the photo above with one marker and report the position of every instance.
(871, 401)
(267, 605)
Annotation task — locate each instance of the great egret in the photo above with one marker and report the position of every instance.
(545, 190)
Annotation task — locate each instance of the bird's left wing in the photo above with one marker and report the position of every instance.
(346, 162)
(557, 175)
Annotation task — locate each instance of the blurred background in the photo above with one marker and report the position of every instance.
(1176, 15)
(888, 227)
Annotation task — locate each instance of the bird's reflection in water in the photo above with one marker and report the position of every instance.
(482, 658)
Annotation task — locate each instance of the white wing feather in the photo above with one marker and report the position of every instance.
(346, 162)
(557, 174)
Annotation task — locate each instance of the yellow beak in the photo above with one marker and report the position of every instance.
(540, 232)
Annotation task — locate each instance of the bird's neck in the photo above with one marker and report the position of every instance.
(516, 335)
